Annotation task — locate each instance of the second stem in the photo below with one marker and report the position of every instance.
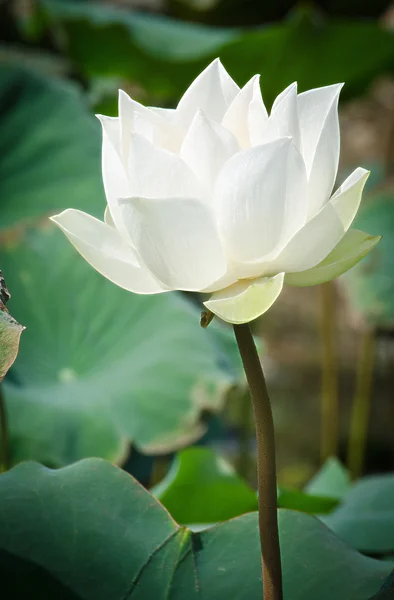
(266, 464)
(329, 392)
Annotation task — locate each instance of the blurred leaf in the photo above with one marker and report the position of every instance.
(161, 54)
(322, 51)
(332, 480)
(365, 519)
(155, 34)
(100, 366)
(223, 12)
(50, 148)
(201, 487)
(90, 531)
(296, 500)
(227, 351)
(10, 332)
(370, 284)
(387, 590)
(165, 55)
(34, 61)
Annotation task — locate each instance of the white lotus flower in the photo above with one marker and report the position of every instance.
(217, 196)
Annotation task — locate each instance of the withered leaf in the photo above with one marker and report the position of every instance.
(10, 332)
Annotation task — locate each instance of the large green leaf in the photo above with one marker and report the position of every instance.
(365, 519)
(201, 487)
(387, 590)
(165, 55)
(322, 493)
(50, 148)
(309, 503)
(370, 284)
(178, 40)
(90, 532)
(322, 51)
(331, 480)
(100, 366)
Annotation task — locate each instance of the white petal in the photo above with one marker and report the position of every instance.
(229, 277)
(158, 173)
(206, 147)
(212, 92)
(177, 240)
(104, 249)
(108, 217)
(136, 118)
(246, 115)
(111, 126)
(116, 183)
(322, 233)
(283, 120)
(320, 141)
(114, 175)
(348, 252)
(257, 117)
(260, 199)
(246, 300)
(169, 114)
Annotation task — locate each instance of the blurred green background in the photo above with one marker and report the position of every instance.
(133, 379)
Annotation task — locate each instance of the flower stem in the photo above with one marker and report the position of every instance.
(244, 421)
(329, 370)
(4, 462)
(361, 404)
(266, 468)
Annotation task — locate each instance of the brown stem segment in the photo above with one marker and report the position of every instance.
(266, 467)
(361, 404)
(329, 392)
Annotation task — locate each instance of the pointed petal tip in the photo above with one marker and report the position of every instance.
(335, 86)
(353, 247)
(217, 64)
(122, 93)
(101, 118)
(57, 218)
(61, 220)
(255, 80)
(123, 99)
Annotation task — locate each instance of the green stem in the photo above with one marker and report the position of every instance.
(361, 404)
(4, 459)
(329, 369)
(266, 468)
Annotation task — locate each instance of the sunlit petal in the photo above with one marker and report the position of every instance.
(177, 240)
(104, 249)
(348, 252)
(246, 300)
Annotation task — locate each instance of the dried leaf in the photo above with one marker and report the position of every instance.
(10, 332)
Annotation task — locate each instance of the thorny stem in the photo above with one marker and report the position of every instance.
(266, 467)
(329, 370)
